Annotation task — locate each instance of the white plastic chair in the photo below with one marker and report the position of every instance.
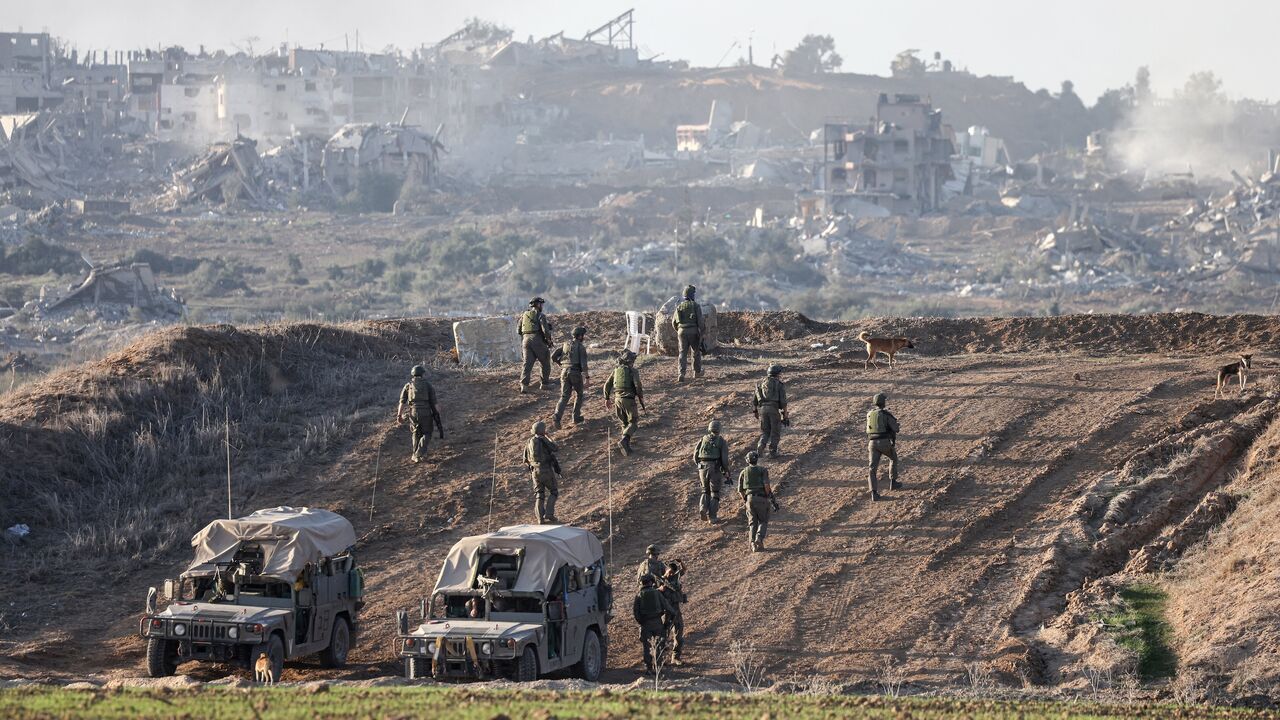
(636, 332)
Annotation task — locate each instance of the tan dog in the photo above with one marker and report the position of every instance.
(1239, 369)
(262, 670)
(888, 346)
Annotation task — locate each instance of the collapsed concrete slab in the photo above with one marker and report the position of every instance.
(665, 335)
(487, 341)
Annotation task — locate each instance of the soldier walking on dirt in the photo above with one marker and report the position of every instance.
(544, 468)
(670, 586)
(535, 343)
(651, 565)
(622, 392)
(651, 611)
(418, 398)
(770, 407)
(574, 377)
(711, 455)
(691, 328)
(882, 439)
(757, 495)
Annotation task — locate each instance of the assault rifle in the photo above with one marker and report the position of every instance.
(435, 416)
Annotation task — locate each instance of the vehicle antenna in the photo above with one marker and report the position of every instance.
(377, 463)
(493, 485)
(226, 417)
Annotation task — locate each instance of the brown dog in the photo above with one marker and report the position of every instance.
(888, 346)
(262, 670)
(1239, 369)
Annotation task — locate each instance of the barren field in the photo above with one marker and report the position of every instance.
(1019, 437)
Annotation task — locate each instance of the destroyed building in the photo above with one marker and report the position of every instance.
(406, 152)
(131, 286)
(899, 161)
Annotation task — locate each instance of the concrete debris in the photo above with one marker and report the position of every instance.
(226, 174)
(131, 286)
(408, 153)
(485, 342)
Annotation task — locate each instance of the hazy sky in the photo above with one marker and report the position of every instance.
(1096, 44)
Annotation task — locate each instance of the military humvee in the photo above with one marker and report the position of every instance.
(283, 582)
(518, 603)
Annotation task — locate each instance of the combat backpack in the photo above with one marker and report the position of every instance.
(624, 380)
(687, 314)
(529, 322)
(877, 422)
(419, 392)
(754, 478)
(767, 391)
(707, 446)
(650, 602)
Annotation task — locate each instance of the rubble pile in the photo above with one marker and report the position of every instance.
(227, 173)
(1240, 229)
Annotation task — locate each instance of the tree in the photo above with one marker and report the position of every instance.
(1067, 96)
(1203, 88)
(1142, 84)
(1112, 107)
(815, 54)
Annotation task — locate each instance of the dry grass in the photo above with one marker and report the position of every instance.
(748, 665)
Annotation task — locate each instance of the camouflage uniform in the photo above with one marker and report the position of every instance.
(535, 343)
(573, 379)
(544, 468)
(419, 398)
(690, 327)
(674, 593)
(753, 486)
(711, 455)
(882, 440)
(650, 566)
(651, 611)
(624, 391)
(771, 406)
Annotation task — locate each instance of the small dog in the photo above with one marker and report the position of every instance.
(262, 671)
(1239, 369)
(888, 346)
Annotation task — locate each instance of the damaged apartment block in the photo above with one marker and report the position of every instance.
(899, 162)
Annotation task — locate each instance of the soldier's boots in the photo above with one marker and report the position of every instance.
(625, 445)
(895, 485)
(773, 454)
(523, 388)
(680, 378)
(875, 495)
(416, 459)
(676, 661)
(579, 420)
(557, 422)
(697, 373)
(703, 515)
(648, 668)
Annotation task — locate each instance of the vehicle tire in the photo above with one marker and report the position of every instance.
(335, 655)
(274, 648)
(162, 657)
(527, 667)
(417, 668)
(592, 663)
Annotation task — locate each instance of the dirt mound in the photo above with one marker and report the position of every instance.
(765, 327)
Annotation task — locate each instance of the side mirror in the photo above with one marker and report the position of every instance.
(402, 622)
(422, 608)
(151, 600)
(170, 592)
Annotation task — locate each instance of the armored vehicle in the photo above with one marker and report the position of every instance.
(283, 582)
(519, 603)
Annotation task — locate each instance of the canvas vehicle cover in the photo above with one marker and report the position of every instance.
(290, 538)
(546, 549)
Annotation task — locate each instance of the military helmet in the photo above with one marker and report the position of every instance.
(647, 581)
(775, 369)
(651, 550)
(539, 428)
(626, 357)
(713, 426)
(880, 399)
(753, 457)
(689, 292)
(536, 301)
(418, 371)
(579, 331)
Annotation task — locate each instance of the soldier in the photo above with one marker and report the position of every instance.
(651, 565)
(770, 407)
(622, 391)
(670, 586)
(882, 439)
(535, 343)
(691, 328)
(711, 455)
(651, 611)
(544, 468)
(419, 399)
(757, 494)
(574, 377)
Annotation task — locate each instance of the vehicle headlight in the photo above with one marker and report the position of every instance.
(486, 648)
(431, 647)
(233, 632)
(179, 629)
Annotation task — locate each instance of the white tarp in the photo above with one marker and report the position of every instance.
(487, 341)
(546, 549)
(290, 538)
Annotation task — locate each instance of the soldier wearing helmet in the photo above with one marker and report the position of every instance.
(651, 565)
(770, 407)
(544, 469)
(757, 496)
(711, 455)
(418, 400)
(622, 392)
(691, 329)
(574, 377)
(882, 440)
(535, 343)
